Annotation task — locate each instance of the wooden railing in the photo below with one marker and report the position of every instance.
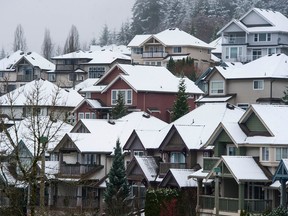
(209, 162)
(154, 54)
(164, 167)
(76, 169)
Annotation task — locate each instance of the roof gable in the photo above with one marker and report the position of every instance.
(255, 18)
(172, 141)
(178, 178)
(133, 142)
(282, 171)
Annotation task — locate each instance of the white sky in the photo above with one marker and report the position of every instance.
(89, 16)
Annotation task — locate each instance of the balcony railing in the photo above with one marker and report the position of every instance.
(26, 78)
(234, 40)
(76, 169)
(164, 167)
(209, 162)
(154, 54)
(232, 204)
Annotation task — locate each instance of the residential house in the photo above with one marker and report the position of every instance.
(75, 67)
(245, 156)
(148, 88)
(41, 97)
(20, 68)
(85, 158)
(157, 49)
(261, 81)
(257, 33)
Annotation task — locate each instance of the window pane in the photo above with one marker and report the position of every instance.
(262, 37)
(233, 52)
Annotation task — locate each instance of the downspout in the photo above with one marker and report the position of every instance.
(271, 90)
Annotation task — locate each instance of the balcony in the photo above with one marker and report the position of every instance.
(160, 54)
(232, 204)
(76, 170)
(234, 40)
(243, 59)
(209, 162)
(26, 78)
(164, 167)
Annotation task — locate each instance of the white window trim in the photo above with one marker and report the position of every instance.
(231, 146)
(258, 89)
(125, 97)
(262, 156)
(216, 93)
(81, 114)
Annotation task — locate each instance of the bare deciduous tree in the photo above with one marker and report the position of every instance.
(72, 43)
(19, 39)
(47, 45)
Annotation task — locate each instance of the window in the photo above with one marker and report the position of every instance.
(258, 84)
(262, 37)
(281, 153)
(87, 115)
(271, 51)
(89, 159)
(243, 106)
(127, 96)
(217, 87)
(1, 74)
(177, 157)
(96, 72)
(177, 49)
(139, 153)
(231, 150)
(72, 77)
(137, 50)
(256, 53)
(80, 115)
(265, 154)
(233, 52)
(51, 77)
(93, 115)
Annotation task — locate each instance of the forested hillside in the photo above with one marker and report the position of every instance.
(201, 18)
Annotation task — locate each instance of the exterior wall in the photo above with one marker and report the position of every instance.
(253, 19)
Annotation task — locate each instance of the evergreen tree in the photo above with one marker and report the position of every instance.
(171, 66)
(119, 110)
(72, 43)
(117, 192)
(19, 39)
(181, 106)
(285, 97)
(47, 45)
(105, 36)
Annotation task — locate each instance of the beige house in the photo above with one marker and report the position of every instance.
(157, 49)
(261, 81)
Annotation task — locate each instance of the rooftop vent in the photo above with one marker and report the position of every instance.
(146, 115)
(21, 53)
(111, 122)
(29, 53)
(230, 106)
(278, 54)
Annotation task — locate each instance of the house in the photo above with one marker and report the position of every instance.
(40, 96)
(257, 33)
(75, 67)
(20, 68)
(157, 49)
(245, 156)
(261, 81)
(85, 158)
(150, 89)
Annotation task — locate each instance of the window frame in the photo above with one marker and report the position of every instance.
(128, 96)
(265, 153)
(281, 153)
(177, 49)
(213, 90)
(257, 88)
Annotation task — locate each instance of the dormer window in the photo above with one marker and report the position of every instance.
(217, 87)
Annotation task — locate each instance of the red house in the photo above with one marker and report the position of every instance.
(151, 89)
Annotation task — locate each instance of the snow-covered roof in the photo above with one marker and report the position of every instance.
(104, 133)
(113, 47)
(95, 57)
(170, 37)
(204, 99)
(201, 122)
(217, 45)
(181, 177)
(248, 171)
(94, 104)
(163, 80)
(269, 66)
(149, 167)
(7, 64)
(86, 83)
(47, 92)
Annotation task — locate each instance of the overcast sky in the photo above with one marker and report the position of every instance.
(89, 16)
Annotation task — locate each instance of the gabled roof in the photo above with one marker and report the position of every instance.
(269, 66)
(104, 133)
(148, 166)
(36, 60)
(170, 37)
(282, 171)
(248, 171)
(201, 122)
(94, 104)
(179, 178)
(95, 57)
(86, 83)
(113, 47)
(163, 80)
(47, 92)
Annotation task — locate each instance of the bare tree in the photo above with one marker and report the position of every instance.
(47, 45)
(35, 134)
(19, 39)
(72, 43)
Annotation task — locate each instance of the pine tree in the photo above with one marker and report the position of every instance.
(119, 110)
(117, 192)
(171, 65)
(181, 106)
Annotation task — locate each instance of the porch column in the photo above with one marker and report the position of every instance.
(283, 192)
(79, 196)
(241, 188)
(199, 192)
